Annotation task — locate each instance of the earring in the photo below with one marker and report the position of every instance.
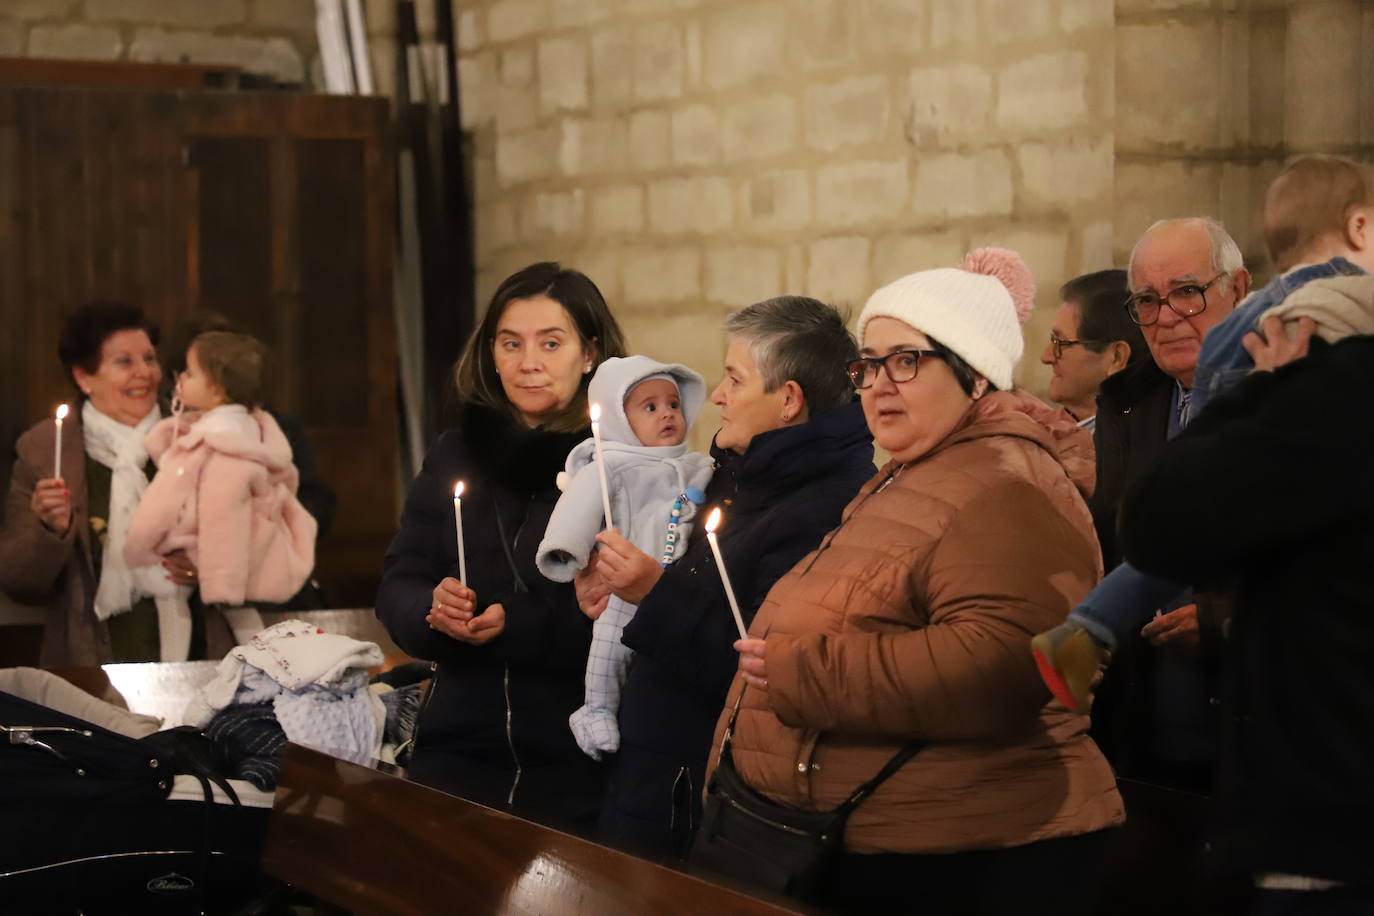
(587, 368)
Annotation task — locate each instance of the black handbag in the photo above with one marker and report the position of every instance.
(747, 836)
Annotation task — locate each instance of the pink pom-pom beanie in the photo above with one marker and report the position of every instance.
(975, 309)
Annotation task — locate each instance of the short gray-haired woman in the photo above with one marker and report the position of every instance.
(791, 451)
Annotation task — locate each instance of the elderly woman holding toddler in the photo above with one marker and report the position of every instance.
(909, 624)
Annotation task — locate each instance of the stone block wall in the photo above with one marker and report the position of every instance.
(694, 156)
(1214, 95)
(270, 37)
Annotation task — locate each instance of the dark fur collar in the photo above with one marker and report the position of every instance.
(509, 451)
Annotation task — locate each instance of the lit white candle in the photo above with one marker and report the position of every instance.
(62, 410)
(711, 522)
(458, 526)
(601, 463)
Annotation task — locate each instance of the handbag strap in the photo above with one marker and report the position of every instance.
(846, 807)
(520, 586)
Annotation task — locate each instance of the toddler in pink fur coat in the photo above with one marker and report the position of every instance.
(225, 489)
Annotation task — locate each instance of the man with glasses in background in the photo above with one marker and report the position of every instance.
(1092, 338)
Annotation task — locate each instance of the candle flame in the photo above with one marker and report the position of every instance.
(458, 490)
(713, 520)
(595, 412)
(62, 410)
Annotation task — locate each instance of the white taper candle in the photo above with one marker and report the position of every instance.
(62, 410)
(458, 526)
(711, 522)
(601, 464)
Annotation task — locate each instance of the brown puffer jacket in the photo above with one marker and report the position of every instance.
(912, 620)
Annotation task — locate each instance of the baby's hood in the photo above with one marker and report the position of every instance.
(617, 375)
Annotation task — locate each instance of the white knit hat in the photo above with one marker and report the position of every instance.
(975, 309)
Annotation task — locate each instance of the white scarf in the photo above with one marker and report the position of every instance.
(119, 447)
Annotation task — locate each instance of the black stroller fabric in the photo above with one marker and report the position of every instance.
(89, 826)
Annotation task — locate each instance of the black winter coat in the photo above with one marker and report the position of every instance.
(495, 728)
(1272, 485)
(778, 500)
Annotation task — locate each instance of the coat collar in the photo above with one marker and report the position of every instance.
(1132, 385)
(512, 453)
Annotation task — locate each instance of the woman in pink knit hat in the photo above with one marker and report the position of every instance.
(905, 631)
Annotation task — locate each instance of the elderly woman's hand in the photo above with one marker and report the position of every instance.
(630, 572)
(52, 503)
(179, 568)
(1274, 347)
(752, 667)
(593, 593)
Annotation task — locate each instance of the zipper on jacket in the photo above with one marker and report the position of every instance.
(510, 737)
(829, 538)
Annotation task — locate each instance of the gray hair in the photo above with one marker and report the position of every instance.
(793, 338)
(1226, 257)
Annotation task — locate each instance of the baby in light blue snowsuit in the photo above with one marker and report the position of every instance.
(655, 485)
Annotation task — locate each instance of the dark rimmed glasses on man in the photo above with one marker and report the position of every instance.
(900, 366)
(1186, 301)
(1057, 344)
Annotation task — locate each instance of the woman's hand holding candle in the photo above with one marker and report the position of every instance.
(630, 572)
(751, 664)
(52, 503)
(453, 601)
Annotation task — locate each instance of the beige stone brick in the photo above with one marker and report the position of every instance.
(77, 41)
(1150, 190)
(39, 9)
(293, 15)
(662, 274)
(702, 205)
(1075, 15)
(11, 39)
(593, 146)
(822, 32)
(577, 13)
(858, 193)
(516, 107)
(1166, 84)
(1095, 248)
(692, 54)
(953, 23)
(1056, 176)
(794, 271)
(898, 254)
(477, 89)
(738, 276)
(502, 224)
(696, 135)
(1266, 91)
(1043, 92)
(612, 66)
(744, 42)
(893, 26)
(206, 14)
(1008, 21)
(526, 155)
(647, 7)
(618, 209)
(563, 74)
(1045, 251)
(851, 111)
(651, 142)
(508, 20)
(517, 67)
(467, 30)
(948, 105)
(778, 201)
(555, 213)
(694, 340)
(275, 57)
(760, 128)
(602, 265)
(956, 185)
(658, 61)
(1324, 63)
(838, 271)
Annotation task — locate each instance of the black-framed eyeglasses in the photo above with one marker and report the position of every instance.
(1057, 344)
(1186, 301)
(900, 366)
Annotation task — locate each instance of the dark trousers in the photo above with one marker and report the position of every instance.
(1057, 877)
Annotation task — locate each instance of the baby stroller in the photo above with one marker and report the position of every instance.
(99, 822)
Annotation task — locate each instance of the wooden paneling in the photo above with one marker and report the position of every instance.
(273, 208)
